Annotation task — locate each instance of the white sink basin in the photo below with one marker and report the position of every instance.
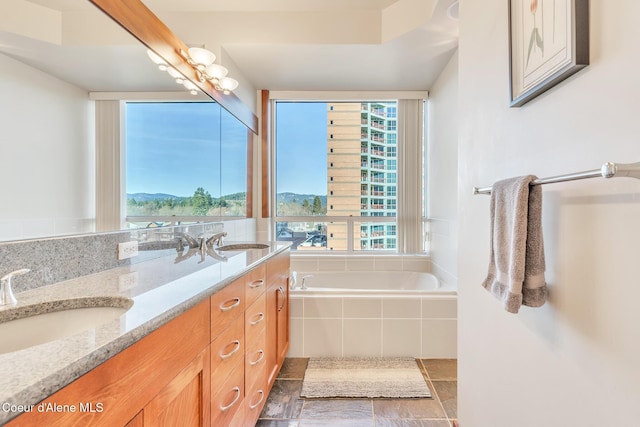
(38, 329)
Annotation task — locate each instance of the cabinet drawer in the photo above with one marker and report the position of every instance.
(227, 351)
(255, 318)
(254, 402)
(228, 398)
(226, 305)
(255, 365)
(255, 283)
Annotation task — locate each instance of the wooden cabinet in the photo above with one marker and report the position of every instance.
(228, 352)
(213, 365)
(185, 400)
(121, 388)
(277, 333)
(255, 366)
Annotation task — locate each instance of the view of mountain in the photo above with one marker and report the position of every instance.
(290, 197)
(143, 197)
(282, 197)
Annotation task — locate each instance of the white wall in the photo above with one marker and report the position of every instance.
(573, 362)
(47, 154)
(442, 173)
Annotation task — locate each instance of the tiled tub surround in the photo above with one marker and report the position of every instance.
(376, 324)
(160, 290)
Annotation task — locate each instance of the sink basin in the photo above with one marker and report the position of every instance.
(242, 246)
(41, 323)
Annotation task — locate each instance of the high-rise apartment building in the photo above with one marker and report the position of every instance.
(362, 172)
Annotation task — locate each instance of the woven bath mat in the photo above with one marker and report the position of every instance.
(328, 377)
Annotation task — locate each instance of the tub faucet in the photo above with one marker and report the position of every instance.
(6, 293)
(303, 286)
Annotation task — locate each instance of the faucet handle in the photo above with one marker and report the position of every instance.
(6, 293)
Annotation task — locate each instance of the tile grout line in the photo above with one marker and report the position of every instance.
(435, 392)
(373, 414)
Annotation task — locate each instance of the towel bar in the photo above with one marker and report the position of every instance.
(608, 170)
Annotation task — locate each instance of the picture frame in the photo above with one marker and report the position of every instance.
(548, 42)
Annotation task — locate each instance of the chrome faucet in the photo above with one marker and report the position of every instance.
(6, 293)
(216, 238)
(191, 241)
(304, 284)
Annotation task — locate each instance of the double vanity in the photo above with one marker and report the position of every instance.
(197, 342)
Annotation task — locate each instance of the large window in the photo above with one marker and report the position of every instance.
(184, 160)
(336, 163)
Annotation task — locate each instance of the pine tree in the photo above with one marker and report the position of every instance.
(202, 202)
(317, 206)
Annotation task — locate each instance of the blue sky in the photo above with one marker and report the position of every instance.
(301, 154)
(175, 148)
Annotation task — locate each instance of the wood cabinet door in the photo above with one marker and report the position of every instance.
(125, 384)
(282, 333)
(277, 332)
(185, 401)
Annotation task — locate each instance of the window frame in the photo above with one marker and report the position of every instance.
(287, 96)
(111, 196)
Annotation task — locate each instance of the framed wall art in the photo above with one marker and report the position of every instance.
(549, 41)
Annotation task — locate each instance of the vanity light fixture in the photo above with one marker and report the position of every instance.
(192, 88)
(202, 61)
(162, 65)
(175, 74)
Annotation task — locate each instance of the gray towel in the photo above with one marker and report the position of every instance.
(516, 270)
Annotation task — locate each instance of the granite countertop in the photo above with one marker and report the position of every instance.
(160, 289)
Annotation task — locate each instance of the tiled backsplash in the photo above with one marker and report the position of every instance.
(62, 258)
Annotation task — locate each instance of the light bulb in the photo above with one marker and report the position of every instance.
(193, 89)
(202, 58)
(162, 65)
(227, 84)
(176, 75)
(216, 72)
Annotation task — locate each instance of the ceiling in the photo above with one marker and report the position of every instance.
(276, 44)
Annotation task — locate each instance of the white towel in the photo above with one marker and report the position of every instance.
(516, 269)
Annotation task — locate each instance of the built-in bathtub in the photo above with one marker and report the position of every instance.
(391, 283)
(372, 314)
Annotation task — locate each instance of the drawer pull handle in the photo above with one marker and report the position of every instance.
(284, 298)
(260, 318)
(236, 343)
(259, 401)
(259, 358)
(225, 307)
(256, 283)
(235, 400)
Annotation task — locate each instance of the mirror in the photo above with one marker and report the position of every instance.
(54, 56)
